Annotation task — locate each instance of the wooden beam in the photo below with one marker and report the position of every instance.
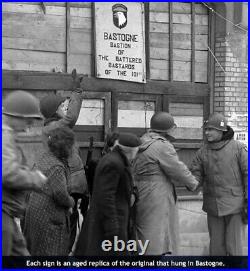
(171, 66)
(67, 35)
(54, 81)
(193, 42)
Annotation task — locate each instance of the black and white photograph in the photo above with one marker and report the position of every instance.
(125, 134)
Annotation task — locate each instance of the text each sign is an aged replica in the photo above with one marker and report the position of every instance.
(120, 42)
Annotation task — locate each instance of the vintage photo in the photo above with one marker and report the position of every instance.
(125, 133)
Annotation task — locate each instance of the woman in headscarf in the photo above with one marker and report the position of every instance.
(47, 225)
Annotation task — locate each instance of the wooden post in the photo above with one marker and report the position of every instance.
(192, 42)
(67, 36)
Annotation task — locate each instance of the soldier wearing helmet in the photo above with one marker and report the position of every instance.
(19, 110)
(53, 110)
(221, 167)
(156, 167)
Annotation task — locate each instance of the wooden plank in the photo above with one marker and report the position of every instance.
(37, 32)
(79, 22)
(50, 81)
(68, 36)
(181, 7)
(190, 105)
(158, 64)
(147, 30)
(201, 20)
(159, 27)
(182, 66)
(81, 12)
(193, 67)
(33, 56)
(201, 29)
(180, 28)
(186, 112)
(32, 60)
(201, 66)
(159, 53)
(159, 74)
(201, 42)
(200, 9)
(181, 18)
(80, 35)
(82, 63)
(201, 76)
(159, 40)
(181, 41)
(184, 76)
(43, 20)
(188, 121)
(159, 17)
(159, 6)
(80, 47)
(188, 133)
(181, 55)
(34, 44)
(171, 42)
(37, 9)
(136, 105)
(201, 56)
(38, 67)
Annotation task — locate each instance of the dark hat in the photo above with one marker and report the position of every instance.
(49, 104)
(129, 140)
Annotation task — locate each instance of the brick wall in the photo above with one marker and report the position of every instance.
(231, 87)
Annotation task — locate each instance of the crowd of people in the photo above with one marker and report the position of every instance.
(131, 194)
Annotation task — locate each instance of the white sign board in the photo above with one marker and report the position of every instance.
(241, 136)
(120, 41)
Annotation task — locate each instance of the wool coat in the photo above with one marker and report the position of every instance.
(77, 181)
(222, 170)
(155, 168)
(109, 213)
(47, 227)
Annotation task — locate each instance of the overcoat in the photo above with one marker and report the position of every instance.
(77, 182)
(109, 213)
(155, 168)
(47, 227)
(222, 169)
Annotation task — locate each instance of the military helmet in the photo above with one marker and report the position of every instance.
(50, 103)
(216, 121)
(21, 104)
(162, 122)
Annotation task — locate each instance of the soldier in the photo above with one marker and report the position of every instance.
(55, 116)
(156, 167)
(221, 168)
(20, 109)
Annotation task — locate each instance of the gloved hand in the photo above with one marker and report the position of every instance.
(76, 79)
(245, 212)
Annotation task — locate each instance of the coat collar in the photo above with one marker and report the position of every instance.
(118, 150)
(218, 145)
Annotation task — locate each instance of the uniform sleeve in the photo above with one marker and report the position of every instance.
(74, 108)
(14, 174)
(173, 167)
(110, 176)
(58, 185)
(243, 162)
(197, 167)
